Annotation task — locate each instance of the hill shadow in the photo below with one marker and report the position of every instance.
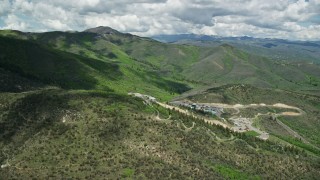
(155, 79)
(50, 66)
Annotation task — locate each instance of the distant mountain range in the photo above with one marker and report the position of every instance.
(196, 37)
(278, 49)
(199, 37)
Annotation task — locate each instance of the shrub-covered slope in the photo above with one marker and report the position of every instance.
(95, 135)
(65, 112)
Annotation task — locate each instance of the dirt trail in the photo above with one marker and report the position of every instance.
(218, 65)
(264, 135)
(237, 107)
(186, 112)
(220, 139)
(157, 117)
(289, 114)
(292, 132)
(246, 123)
(187, 129)
(279, 105)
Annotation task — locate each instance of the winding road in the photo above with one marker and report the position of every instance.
(243, 124)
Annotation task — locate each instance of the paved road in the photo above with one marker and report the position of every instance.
(292, 132)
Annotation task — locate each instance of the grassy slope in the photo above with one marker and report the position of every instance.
(226, 65)
(115, 47)
(166, 60)
(72, 71)
(221, 65)
(92, 134)
(190, 65)
(108, 133)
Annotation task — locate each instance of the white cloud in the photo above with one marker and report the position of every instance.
(14, 22)
(75, 3)
(22, 6)
(121, 23)
(56, 25)
(4, 7)
(260, 18)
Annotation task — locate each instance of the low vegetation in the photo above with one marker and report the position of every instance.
(93, 134)
(65, 112)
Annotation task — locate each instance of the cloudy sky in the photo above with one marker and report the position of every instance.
(289, 19)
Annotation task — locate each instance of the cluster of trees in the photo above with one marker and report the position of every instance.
(113, 139)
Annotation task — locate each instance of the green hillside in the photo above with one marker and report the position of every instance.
(195, 66)
(65, 111)
(68, 70)
(91, 134)
(228, 65)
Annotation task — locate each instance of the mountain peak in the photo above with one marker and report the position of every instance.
(102, 30)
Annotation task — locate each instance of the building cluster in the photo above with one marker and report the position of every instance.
(200, 107)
